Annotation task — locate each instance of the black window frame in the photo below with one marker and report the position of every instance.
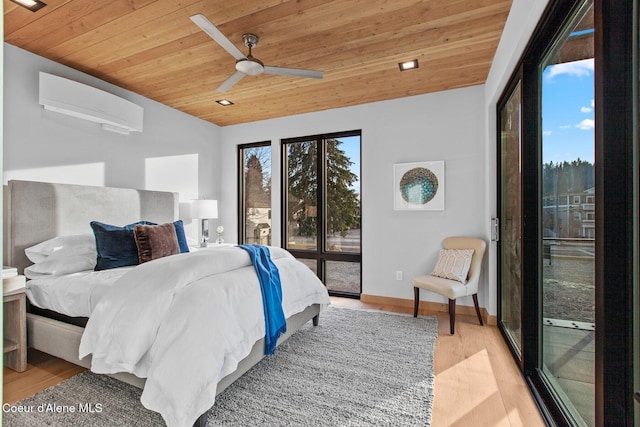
(320, 254)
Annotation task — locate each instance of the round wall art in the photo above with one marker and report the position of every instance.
(419, 186)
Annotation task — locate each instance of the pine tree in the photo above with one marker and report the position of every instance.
(342, 207)
(560, 178)
(254, 183)
(302, 169)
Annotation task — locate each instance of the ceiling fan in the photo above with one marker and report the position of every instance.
(246, 64)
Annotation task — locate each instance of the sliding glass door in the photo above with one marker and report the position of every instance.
(568, 201)
(510, 235)
(568, 272)
(321, 207)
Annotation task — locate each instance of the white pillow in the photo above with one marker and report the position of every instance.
(453, 264)
(76, 244)
(57, 265)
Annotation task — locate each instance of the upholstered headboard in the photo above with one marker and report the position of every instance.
(37, 211)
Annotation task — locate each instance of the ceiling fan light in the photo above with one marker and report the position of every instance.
(251, 67)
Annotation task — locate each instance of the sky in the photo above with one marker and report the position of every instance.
(568, 112)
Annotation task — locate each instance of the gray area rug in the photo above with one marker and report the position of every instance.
(357, 368)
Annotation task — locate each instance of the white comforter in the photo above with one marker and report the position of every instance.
(185, 321)
(75, 294)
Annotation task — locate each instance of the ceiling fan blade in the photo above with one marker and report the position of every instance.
(296, 72)
(213, 32)
(233, 79)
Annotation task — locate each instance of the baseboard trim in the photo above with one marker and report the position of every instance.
(429, 307)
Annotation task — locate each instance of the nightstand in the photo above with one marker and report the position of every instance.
(15, 330)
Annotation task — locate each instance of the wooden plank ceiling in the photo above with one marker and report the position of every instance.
(151, 47)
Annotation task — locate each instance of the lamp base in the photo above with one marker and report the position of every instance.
(204, 241)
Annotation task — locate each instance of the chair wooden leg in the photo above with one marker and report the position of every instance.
(452, 315)
(416, 300)
(475, 302)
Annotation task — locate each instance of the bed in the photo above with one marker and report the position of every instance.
(35, 212)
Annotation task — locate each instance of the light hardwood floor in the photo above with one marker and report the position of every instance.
(477, 382)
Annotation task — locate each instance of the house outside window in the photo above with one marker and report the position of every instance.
(255, 193)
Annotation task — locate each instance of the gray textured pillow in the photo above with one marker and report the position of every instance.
(155, 241)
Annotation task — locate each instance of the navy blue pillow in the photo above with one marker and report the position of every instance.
(182, 239)
(116, 246)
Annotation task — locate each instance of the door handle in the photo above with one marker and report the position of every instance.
(495, 229)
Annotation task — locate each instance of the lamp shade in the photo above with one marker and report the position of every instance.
(204, 208)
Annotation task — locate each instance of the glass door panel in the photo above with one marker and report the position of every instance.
(322, 199)
(342, 213)
(311, 263)
(343, 276)
(302, 196)
(342, 194)
(568, 214)
(511, 221)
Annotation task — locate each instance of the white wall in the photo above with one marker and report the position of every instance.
(523, 18)
(175, 152)
(445, 126)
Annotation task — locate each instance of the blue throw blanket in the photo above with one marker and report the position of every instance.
(269, 277)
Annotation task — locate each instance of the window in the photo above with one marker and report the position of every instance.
(255, 193)
(321, 207)
(576, 200)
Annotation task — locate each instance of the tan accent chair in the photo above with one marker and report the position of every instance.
(453, 289)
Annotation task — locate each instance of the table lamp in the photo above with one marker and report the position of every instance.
(204, 209)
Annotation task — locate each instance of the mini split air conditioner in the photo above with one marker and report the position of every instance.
(85, 102)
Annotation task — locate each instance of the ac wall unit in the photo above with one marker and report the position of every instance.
(85, 102)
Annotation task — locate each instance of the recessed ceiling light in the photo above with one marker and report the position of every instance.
(32, 5)
(409, 65)
(224, 102)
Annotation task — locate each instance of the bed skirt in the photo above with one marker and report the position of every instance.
(62, 340)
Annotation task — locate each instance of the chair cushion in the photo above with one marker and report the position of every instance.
(452, 289)
(453, 264)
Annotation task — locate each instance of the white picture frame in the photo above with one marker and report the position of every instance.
(418, 186)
